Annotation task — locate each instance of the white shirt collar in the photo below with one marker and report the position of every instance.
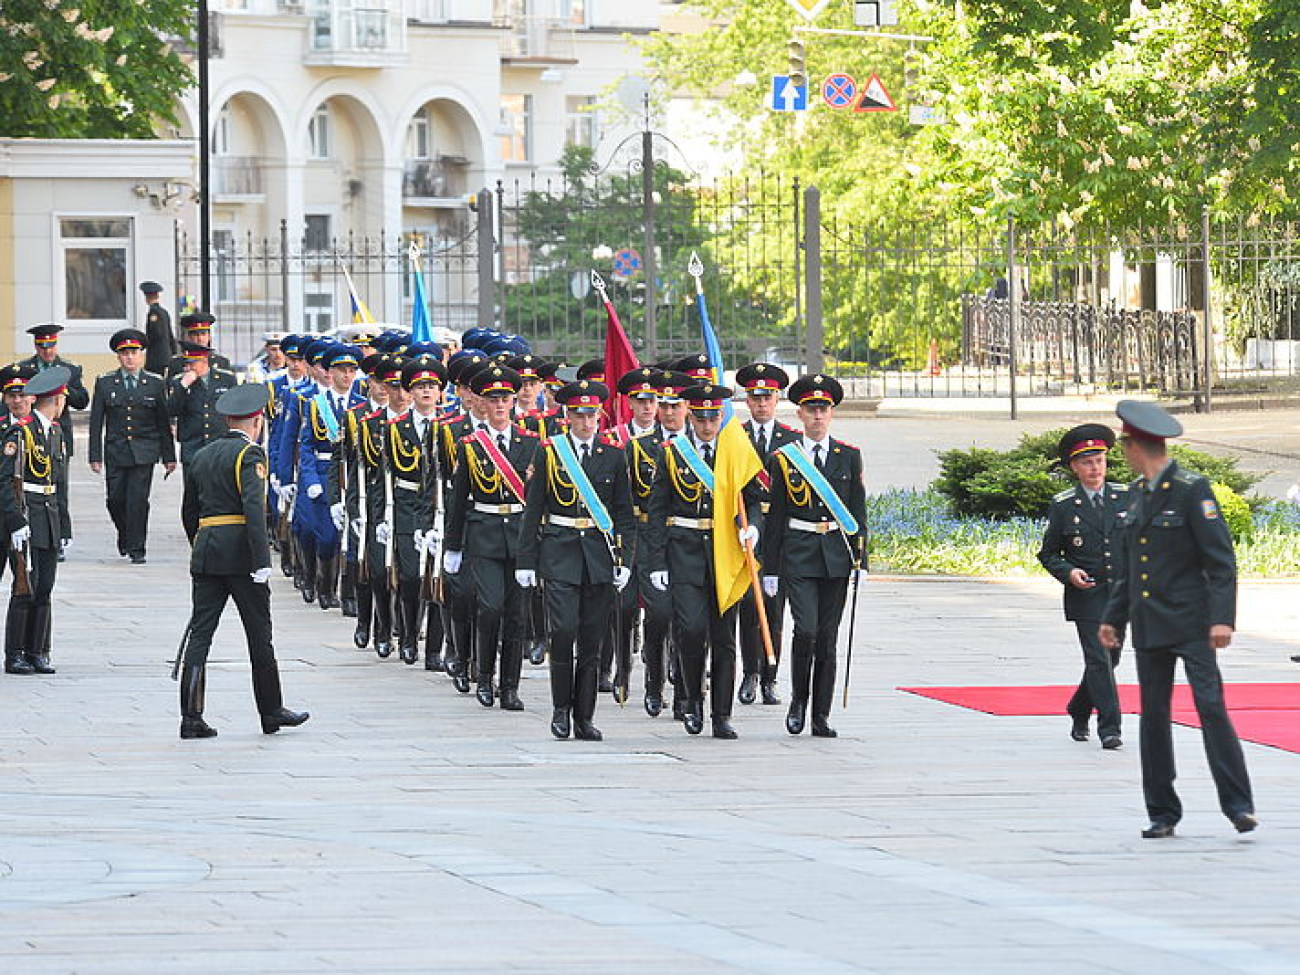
(809, 443)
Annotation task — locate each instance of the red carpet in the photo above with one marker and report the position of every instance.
(1266, 714)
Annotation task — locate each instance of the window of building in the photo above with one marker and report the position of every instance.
(94, 252)
(574, 12)
(318, 134)
(417, 137)
(221, 133)
(223, 263)
(316, 232)
(581, 126)
(516, 128)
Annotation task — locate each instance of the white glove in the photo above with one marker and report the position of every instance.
(432, 541)
(65, 544)
(287, 493)
(451, 562)
(383, 532)
(339, 515)
(21, 535)
(418, 539)
(621, 576)
(748, 536)
(526, 578)
(261, 576)
(314, 491)
(358, 526)
(770, 585)
(275, 482)
(659, 580)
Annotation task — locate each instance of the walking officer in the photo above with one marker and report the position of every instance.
(160, 340)
(578, 517)
(223, 512)
(1077, 545)
(1175, 586)
(813, 541)
(192, 399)
(130, 433)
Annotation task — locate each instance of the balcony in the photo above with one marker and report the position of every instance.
(353, 35)
(237, 179)
(437, 182)
(449, 11)
(540, 41)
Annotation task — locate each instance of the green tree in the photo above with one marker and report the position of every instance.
(91, 69)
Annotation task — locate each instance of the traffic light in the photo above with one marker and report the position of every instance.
(798, 70)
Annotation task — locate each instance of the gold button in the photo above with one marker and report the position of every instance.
(1142, 540)
(1142, 558)
(1145, 594)
(1144, 577)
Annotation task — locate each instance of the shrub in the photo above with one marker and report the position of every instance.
(1236, 513)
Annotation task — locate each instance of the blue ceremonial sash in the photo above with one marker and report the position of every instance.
(586, 490)
(326, 410)
(694, 461)
(794, 453)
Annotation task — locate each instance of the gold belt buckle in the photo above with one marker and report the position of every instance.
(823, 527)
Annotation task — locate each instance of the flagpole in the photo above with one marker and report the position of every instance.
(759, 601)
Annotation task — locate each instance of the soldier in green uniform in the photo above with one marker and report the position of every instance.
(1175, 587)
(31, 465)
(159, 337)
(192, 399)
(1077, 550)
(578, 560)
(130, 433)
(223, 514)
(809, 548)
(46, 339)
(198, 330)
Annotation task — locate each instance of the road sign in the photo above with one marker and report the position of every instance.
(809, 8)
(839, 91)
(875, 98)
(787, 96)
(874, 13)
(626, 263)
(926, 115)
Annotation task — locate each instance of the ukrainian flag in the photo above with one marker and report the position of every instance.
(735, 463)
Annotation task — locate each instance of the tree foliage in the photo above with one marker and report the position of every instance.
(96, 69)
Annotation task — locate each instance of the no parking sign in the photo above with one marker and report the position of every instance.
(839, 90)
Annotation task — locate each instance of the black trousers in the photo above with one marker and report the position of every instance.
(576, 617)
(458, 596)
(816, 606)
(27, 623)
(701, 632)
(1155, 669)
(253, 601)
(128, 504)
(656, 612)
(499, 620)
(1096, 690)
(753, 656)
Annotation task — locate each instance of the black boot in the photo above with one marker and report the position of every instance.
(434, 636)
(192, 723)
(512, 662)
(348, 590)
(307, 562)
(823, 693)
(800, 679)
(560, 723)
(16, 661)
(382, 600)
(38, 628)
(327, 579)
(270, 704)
(408, 622)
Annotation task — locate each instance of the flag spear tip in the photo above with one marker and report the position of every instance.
(695, 266)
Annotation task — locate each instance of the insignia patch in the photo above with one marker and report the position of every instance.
(261, 470)
(1078, 541)
(1210, 509)
(11, 448)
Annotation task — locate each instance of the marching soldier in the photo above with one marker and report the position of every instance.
(30, 468)
(813, 541)
(380, 564)
(130, 432)
(483, 514)
(192, 400)
(763, 384)
(274, 364)
(579, 514)
(680, 550)
(17, 408)
(222, 511)
(160, 340)
(198, 330)
(1176, 586)
(671, 412)
(1076, 550)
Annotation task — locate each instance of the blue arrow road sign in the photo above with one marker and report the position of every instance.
(787, 96)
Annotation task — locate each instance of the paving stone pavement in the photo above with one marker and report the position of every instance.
(406, 829)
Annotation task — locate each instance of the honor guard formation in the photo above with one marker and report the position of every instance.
(483, 509)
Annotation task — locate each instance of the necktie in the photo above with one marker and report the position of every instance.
(817, 456)
(586, 455)
(501, 442)
(708, 454)
(1099, 501)
(760, 441)
(130, 382)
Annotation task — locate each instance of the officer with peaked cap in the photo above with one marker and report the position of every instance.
(1175, 588)
(230, 558)
(192, 399)
(198, 329)
(159, 337)
(1078, 550)
(46, 339)
(130, 433)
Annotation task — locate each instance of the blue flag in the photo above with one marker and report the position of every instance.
(712, 348)
(421, 331)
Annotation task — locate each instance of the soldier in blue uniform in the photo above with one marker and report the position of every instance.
(1175, 588)
(1077, 550)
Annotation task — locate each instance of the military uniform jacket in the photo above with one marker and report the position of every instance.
(1078, 536)
(793, 553)
(567, 553)
(315, 448)
(685, 553)
(545, 423)
(413, 469)
(130, 426)
(176, 364)
(1176, 574)
(283, 442)
(227, 480)
(781, 435)
(347, 465)
(78, 395)
(160, 340)
(195, 408)
(479, 533)
(35, 503)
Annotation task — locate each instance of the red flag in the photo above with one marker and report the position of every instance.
(619, 361)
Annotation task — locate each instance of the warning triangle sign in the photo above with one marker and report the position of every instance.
(874, 97)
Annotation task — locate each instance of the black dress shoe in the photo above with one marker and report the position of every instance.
(722, 729)
(769, 694)
(361, 637)
(1079, 730)
(693, 721)
(461, 683)
(349, 607)
(384, 648)
(18, 665)
(560, 723)
(326, 601)
(486, 696)
(282, 718)
(196, 727)
(586, 731)
(308, 593)
(794, 718)
(654, 705)
(606, 684)
(40, 663)
(1111, 742)
(408, 655)
(537, 653)
(1295, 658)
(433, 661)
(748, 689)
(1244, 822)
(821, 729)
(137, 558)
(510, 700)
(1158, 831)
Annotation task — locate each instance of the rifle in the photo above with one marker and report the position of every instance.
(180, 650)
(622, 639)
(18, 557)
(363, 476)
(390, 547)
(344, 547)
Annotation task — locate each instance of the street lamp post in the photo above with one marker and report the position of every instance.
(205, 152)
